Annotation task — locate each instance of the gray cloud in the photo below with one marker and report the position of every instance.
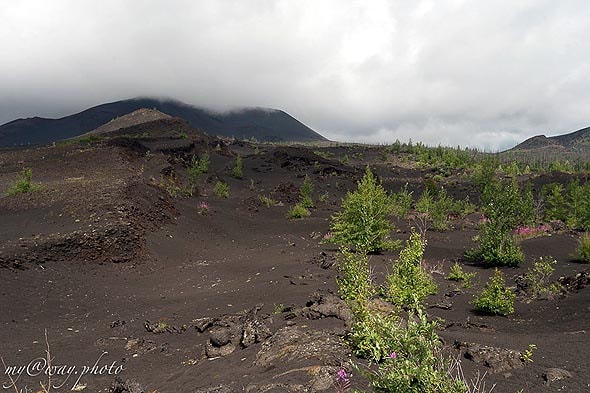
(485, 74)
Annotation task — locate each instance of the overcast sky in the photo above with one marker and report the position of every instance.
(476, 73)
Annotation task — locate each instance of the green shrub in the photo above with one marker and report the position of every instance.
(538, 278)
(298, 211)
(172, 188)
(555, 208)
(502, 205)
(583, 250)
(305, 193)
(354, 282)
(578, 216)
(402, 202)
(324, 197)
(371, 334)
(24, 184)
(196, 168)
(408, 281)
(457, 274)
(495, 298)
(221, 189)
(416, 363)
(237, 172)
(363, 221)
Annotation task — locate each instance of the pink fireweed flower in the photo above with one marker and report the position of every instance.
(393, 355)
(342, 382)
(328, 236)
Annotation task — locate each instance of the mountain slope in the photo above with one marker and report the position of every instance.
(260, 123)
(574, 142)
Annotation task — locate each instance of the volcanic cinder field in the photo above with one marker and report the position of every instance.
(126, 282)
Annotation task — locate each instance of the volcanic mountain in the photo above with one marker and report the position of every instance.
(261, 123)
(574, 142)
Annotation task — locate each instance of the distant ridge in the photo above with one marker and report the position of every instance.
(264, 124)
(574, 142)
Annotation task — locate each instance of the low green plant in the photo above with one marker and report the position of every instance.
(305, 193)
(495, 298)
(502, 205)
(324, 197)
(408, 281)
(24, 184)
(238, 171)
(221, 189)
(416, 363)
(171, 186)
(354, 281)
(252, 185)
(538, 278)
(298, 211)
(363, 221)
(372, 333)
(195, 169)
(527, 354)
(583, 250)
(457, 274)
(402, 202)
(266, 200)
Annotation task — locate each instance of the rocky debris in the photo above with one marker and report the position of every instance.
(162, 327)
(254, 330)
(555, 374)
(141, 346)
(324, 305)
(229, 332)
(575, 283)
(469, 325)
(324, 260)
(444, 305)
(286, 193)
(217, 389)
(296, 345)
(127, 386)
(497, 359)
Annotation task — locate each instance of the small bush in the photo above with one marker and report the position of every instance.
(537, 279)
(221, 189)
(354, 282)
(305, 193)
(363, 222)
(298, 211)
(583, 251)
(324, 197)
(502, 205)
(416, 363)
(457, 274)
(237, 172)
(409, 282)
(371, 334)
(24, 184)
(495, 299)
(402, 202)
(266, 201)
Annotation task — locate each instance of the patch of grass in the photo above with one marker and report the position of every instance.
(221, 189)
(495, 298)
(298, 211)
(24, 184)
